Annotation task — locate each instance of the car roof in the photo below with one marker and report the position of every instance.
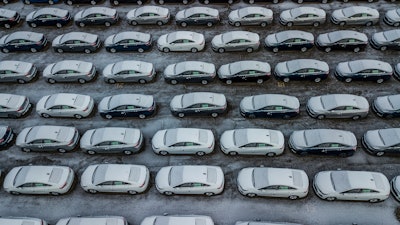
(261, 101)
(10, 100)
(350, 11)
(394, 100)
(252, 135)
(26, 35)
(288, 34)
(42, 174)
(239, 66)
(130, 99)
(315, 137)
(199, 9)
(194, 65)
(56, 133)
(234, 35)
(297, 64)
(20, 221)
(151, 9)
(7, 13)
(391, 35)
(17, 66)
(173, 220)
(346, 180)
(176, 135)
(51, 11)
(80, 66)
(331, 101)
(81, 36)
(143, 67)
(335, 36)
(107, 220)
(139, 36)
(390, 136)
(295, 12)
(203, 97)
(116, 172)
(121, 134)
(102, 10)
(264, 177)
(253, 10)
(183, 35)
(359, 65)
(65, 99)
(185, 174)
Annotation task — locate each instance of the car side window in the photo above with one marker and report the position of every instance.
(283, 187)
(185, 185)
(40, 141)
(106, 183)
(122, 107)
(131, 107)
(119, 183)
(353, 191)
(56, 107)
(67, 107)
(205, 105)
(272, 187)
(250, 145)
(104, 143)
(39, 185)
(368, 191)
(115, 143)
(26, 185)
(179, 144)
(334, 145)
(48, 141)
(191, 144)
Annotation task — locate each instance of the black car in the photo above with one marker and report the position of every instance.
(245, 71)
(128, 41)
(9, 18)
(117, 2)
(301, 69)
(127, 105)
(161, 2)
(217, 1)
(312, 1)
(289, 40)
(342, 40)
(96, 16)
(71, 2)
(23, 41)
(387, 106)
(261, 1)
(6, 137)
(76, 42)
(197, 16)
(389, 39)
(364, 69)
(190, 71)
(48, 17)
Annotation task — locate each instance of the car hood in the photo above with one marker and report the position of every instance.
(107, 71)
(382, 103)
(223, 71)
(78, 16)
(314, 103)
(20, 141)
(158, 140)
(281, 68)
(245, 178)
(87, 175)
(234, 15)
(324, 183)
(270, 40)
(226, 139)
(176, 102)
(285, 15)
(9, 179)
(103, 105)
(131, 14)
(29, 17)
(373, 139)
(162, 40)
(323, 39)
(343, 68)
(392, 14)
(180, 15)
(338, 14)
(3, 39)
(297, 139)
(48, 69)
(57, 40)
(247, 104)
(379, 38)
(217, 40)
(169, 70)
(109, 40)
(162, 178)
(85, 142)
(41, 102)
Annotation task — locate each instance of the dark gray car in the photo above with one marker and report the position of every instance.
(13, 106)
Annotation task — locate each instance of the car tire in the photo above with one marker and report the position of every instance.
(115, 2)
(357, 49)
(93, 2)
(357, 117)
(194, 50)
(61, 150)
(342, 155)
(77, 116)
(342, 23)
(59, 25)
(379, 154)
(59, 50)
(91, 152)
(299, 1)
(108, 116)
(374, 200)
(132, 192)
(396, 24)
(140, 50)
(5, 2)
(251, 1)
(275, 50)
(204, 82)
(286, 79)
(214, 115)
(249, 50)
(27, 2)
(34, 50)
(275, 1)
(321, 117)
(185, 2)
(303, 49)
(286, 117)
(328, 49)
(228, 81)
(45, 115)
(181, 115)
(289, 24)
(230, 2)
(139, 2)
(69, 2)
(263, 24)
(14, 193)
(142, 116)
(55, 193)
(330, 198)
(107, 24)
(348, 80)
(209, 194)
(183, 24)
(251, 116)
(113, 50)
(81, 24)
(324, 1)
(142, 81)
(210, 24)
(164, 153)
(51, 2)
(270, 154)
(260, 81)
(233, 153)
(221, 50)
(20, 81)
(317, 80)
(316, 24)
(174, 82)
(81, 81)
(92, 191)
(7, 26)
(133, 23)
(251, 195)
(111, 81)
(383, 48)
(127, 152)
(26, 149)
(168, 193)
(293, 197)
(237, 24)
(33, 25)
(160, 23)
(161, 2)
(200, 153)
(368, 24)
(379, 81)
(166, 50)
(4, 50)
(87, 51)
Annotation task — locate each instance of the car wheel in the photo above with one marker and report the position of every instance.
(116, 2)
(328, 49)
(289, 24)
(303, 49)
(140, 50)
(107, 24)
(134, 23)
(33, 50)
(316, 24)
(230, 2)
(330, 198)
(263, 24)
(81, 24)
(131, 192)
(194, 50)
(59, 25)
(237, 24)
(348, 80)
(27, 2)
(221, 50)
(55, 193)
(232, 153)
(321, 117)
(251, 1)
(271, 154)
(210, 24)
(59, 50)
(342, 23)
(92, 191)
(181, 115)
(342, 154)
(61, 150)
(252, 116)
(209, 194)
(139, 2)
(396, 24)
(5, 1)
(275, 1)
(77, 116)
(163, 153)
(51, 2)
(368, 24)
(251, 195)
(4, 50)
(317, 80)
(160, 2)
(200, 153)
(356, 117)
(26, 149)
(113, 50)
(93, 2)
(324, 1)
(127, 152)
(379, 81)
(286, 117)
(142, 81)
(111, 81)
(69, 2)
(174, 82)
(91, 152)
(45, 115)
(228, 81)
(142, 116)
(33, 25)
(185, 2)
(379, 154)
(260, 81)
(374, 200)
(249, 50)
(299, 1)
(160, 23)
(286, 79)
(87, 51)
(204, 82)
(293, 197)
(183, 24)
(20, 81)
(206, 2)
(383, 48)
(81, 81)
(14, 193)
(166, 50)
(108, 116)
(275, 50)
(168, 193)
(356, 49)
(214, 115)
(7, 26)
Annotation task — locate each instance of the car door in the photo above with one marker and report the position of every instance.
(41, 188)
(55, 110)
(102, 147)
(35, 145)
(133, 110)
(270, 191)
(46, 19)
(8, 76)
(146, 18)
(67, 111)
(249, 148)
(14, 45)
(106, 186)
(336, 112)
(49, 145)
(26, 188)
(120, 186)
(120, 111)
(352, 194)
(177, 147)
(185, 188)
(232, 45)
(131, 44)
(71, 75)
(191, 147)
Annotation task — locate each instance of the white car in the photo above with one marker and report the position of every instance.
(355, 15)
(206, 180)
(263, 223)
(181, 41)
(252, 15)
(120, 178)
(21, 221)
(65, 105)
(148, 14)
(129, 71)
(99, 220)
(351, 185)
(302, 16)
(69, 71)
(392, 17)
(395, 184)
(183, 141)
(252, 141)
(273, 182)
(178, 220)
(54, 180)
(235, 41)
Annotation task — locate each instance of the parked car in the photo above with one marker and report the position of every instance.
(206, 180)
(302, 69)
(128, 41)
(386, 40)
(71, 2)
(236, 41)
(129, 71)
(65, 105)
(392, 17)
(148, 14)
(96, 16)
(244, 71)
(48, 17)
(382, 141)
(119, 178)
(338, 106)
(183, 141)
(198, 103)
(342, 39)
(252, 15)
(117, 220)
(206, 2)
(127, 105)
(312, 1)
(76, 42)
(395, 184)
(53, 180)
(355, 15)
(17, 71)
(9, 18)
(117, 2)
(252, 141)
(190, 71)
(197, 16)
(351, 185)
(6, 137)
(387, 106)
(364, 69)
(177, 219)
(181, 41)
(289, 40)
(261, 1)
(48, 138)
(21, 221)
(302, 16)
(14, 106)
(161, 2)
(270, 105)
(396, 73)
(323, 142)
(112, 140)
(22, 41)
(69, 71)
(273, 182)
(264, 223)
(50, 2)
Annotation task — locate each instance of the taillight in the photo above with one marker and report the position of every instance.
(222, 185)
(20, 109)
(12, 19)
(151, 108)
(151, 73)
(142, 184)
(1, 140)
(63, 186)
(86, 109)
(8, 128)
(93, 44)
(70, 143)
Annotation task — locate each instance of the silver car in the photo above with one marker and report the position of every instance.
(48, 138)
(14, 106)
(302, 69)
(246, 70)
(364, 69)
(342, 39)
(395, 187)
(263, 223)
(17, 71)
(387, 106)
(382, 141)
(289, 39)
(148, 15)
(181, 41)
(236, 41)
(302, 16)
(178, 220)
(65, 105)
(392, 17)
(338, 106)
(355, 15)
(252, 15)
(21, 221)
(197, 16)
(69, 71)
(129, 71)
(389, 39)
(190, 71)
(99, 220)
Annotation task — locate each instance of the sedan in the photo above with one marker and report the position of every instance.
(128, 41)
(355, 15)
(323, 142)
(302, 16)
(181, 41)
(48, 138)
(302, 69)
(129, 71)
(396, 73)
(53, 180)
(252, 141)
(161, 2)
(351, 185)
(395, 184)
(338, 106)
(115, 178)
(198, 103)
(17, 71)
(65, 105)
(71, 2)
(6, 137)
(69, 71)
(9, 18)
(245, 71)
(112, 140)
(253, 15)
(289, 40)
(261, 1)
(270, 106)
(190, 71)
(14, 106)
(382, 141)
(392, 17)
(98, 220)
(117, 2)
(50, 2)
(96, 16)
(364, 69)
(22, 221)
(206, 180)
(197, 16)
(76, 42)
(273, 182)
(148, 15)
(230, 2)
(236, 41)
(127, 105)
(177, 219)
(183, 141)
(48, 17)
(264, 223)
(387, 106)
(386, 40)
(342, 39)
(23, 41)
